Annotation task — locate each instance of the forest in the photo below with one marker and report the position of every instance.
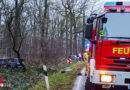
(40, 31)
(43, 32)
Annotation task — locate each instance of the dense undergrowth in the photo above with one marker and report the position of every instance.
(16, 79)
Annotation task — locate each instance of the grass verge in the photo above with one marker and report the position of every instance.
(15, 79)
(61, 81)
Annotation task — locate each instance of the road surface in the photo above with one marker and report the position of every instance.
(80, 81)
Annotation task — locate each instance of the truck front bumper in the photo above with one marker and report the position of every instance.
(120, 78)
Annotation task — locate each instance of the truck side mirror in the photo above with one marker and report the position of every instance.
(91, 19)
(104, 20)
(88, 33)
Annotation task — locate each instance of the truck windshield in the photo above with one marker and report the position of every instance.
(117, 27)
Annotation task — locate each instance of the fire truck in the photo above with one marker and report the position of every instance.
(109, 36)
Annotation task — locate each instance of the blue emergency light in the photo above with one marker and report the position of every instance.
(117, 4)
(88, 44)
(110, 4)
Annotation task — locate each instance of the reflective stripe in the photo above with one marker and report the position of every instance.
(45, 73)
(110, 4)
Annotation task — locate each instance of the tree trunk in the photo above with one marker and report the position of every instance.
(84, 25)
(71, 35)
(43, 46)
(66, 32)
(75, 35)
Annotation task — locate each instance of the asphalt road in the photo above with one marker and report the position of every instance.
(80, 81)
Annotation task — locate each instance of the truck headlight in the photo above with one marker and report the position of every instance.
(106, 78)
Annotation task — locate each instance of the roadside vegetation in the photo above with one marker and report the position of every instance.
(33, 78)
(15, 79)
(42, 32)
(61, 81)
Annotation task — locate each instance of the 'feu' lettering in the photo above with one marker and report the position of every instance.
(114, 50)
(126, 51)
(121, 50)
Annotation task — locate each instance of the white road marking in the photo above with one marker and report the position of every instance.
(80, 81)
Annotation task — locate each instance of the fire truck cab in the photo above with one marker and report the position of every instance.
(109, 64)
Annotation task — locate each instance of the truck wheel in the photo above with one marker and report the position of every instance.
(98, 87)
(91, 86)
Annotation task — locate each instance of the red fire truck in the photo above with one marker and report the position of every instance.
(109, 64)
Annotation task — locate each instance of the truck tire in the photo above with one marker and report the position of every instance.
(88, 85)
(91, 86)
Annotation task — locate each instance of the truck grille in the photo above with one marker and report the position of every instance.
(116, 65)
(121, 62)
(118, 62)
(117, 58)
(127, 81)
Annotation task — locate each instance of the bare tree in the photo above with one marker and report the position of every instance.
(14, 28)
(40, 31)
